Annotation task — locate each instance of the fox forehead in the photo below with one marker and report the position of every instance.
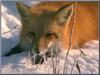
(42, 23)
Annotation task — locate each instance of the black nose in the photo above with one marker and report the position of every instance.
(39, 59)
(37, 50)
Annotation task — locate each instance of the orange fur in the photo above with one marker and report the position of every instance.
(85, 27)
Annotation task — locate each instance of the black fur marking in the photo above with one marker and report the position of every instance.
(14, 50)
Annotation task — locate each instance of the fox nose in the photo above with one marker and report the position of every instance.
(37, 50)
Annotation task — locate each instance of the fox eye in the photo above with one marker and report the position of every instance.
(31, 33)
(51, 34)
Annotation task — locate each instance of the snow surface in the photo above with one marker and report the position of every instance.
(20, 63)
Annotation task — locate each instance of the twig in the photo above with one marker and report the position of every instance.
(82, 53)
(10, 30)
(73, 67)
(70, 39)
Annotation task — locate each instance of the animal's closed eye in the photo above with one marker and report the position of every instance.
(52, 34)
(49, 34)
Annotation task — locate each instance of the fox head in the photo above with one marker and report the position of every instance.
(42, 28)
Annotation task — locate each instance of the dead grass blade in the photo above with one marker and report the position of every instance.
(78, 67)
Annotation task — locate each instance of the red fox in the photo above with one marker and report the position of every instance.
(47, 22)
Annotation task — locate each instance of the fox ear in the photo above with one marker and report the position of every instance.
(64, 14)
(23, 9)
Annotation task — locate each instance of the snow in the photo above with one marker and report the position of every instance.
(20, 63)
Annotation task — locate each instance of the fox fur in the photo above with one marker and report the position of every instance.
(47, 22)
